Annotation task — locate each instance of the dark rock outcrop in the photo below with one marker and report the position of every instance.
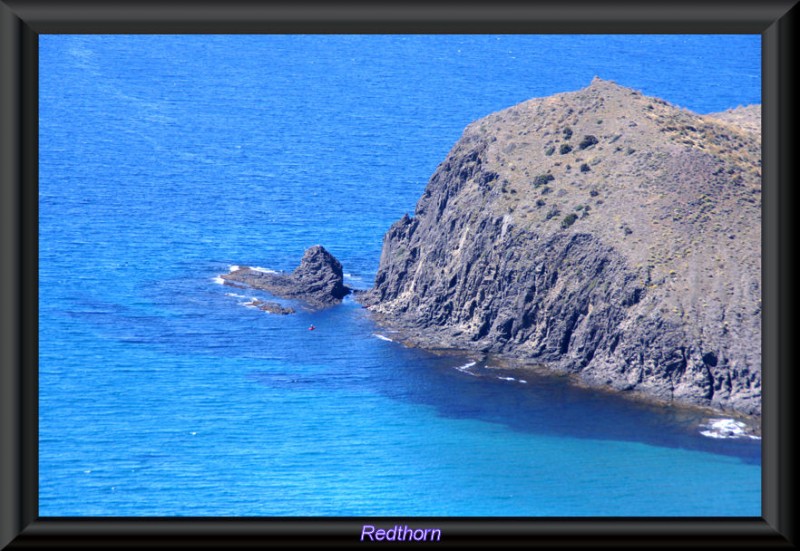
(317, 281)
(639, 271)
(272, 307)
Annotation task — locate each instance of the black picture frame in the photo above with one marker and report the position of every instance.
(21, 22)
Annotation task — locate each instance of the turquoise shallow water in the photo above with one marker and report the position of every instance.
(165, 160)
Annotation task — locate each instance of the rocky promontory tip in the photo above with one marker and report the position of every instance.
(600, 232)
(318, 280)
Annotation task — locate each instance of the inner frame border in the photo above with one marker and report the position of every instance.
(21, 23)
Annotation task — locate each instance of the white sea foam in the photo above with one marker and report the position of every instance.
(726, 428)
(507, 378)
(465, 368)
(234, 295)
(381, 337)
(233, 268)
(218, 280)
(263, 270)
(523, 381)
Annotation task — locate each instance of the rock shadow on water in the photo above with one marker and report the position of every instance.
(466, 386)
(525, 400)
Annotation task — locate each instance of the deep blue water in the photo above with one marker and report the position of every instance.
(165, 160)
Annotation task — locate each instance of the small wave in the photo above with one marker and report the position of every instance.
(523, 381)
(263, 270)
(218, 280)
(381, 337)
(726, 428)
(234, 295)
(507, 378)
(233, 268)
(465, 368)
(351, 276)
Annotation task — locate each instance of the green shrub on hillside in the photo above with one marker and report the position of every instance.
(568, 220)
(542, 179)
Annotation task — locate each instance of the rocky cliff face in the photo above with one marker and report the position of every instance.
(318, 281)
(602, 233)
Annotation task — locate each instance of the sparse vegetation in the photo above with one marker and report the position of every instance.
(543, 179)
(564, 149)
(568, 220)
(550, 150)
(585, 168)
(588, 141)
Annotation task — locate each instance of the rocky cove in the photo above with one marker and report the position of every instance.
(601, 233)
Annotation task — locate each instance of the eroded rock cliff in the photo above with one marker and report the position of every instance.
(602, 233)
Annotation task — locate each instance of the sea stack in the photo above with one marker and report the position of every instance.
(318, 280)
(602, 233)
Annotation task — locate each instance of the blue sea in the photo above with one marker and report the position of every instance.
(165, 160)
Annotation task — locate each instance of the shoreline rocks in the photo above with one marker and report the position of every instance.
(318, 280)
(271, 307)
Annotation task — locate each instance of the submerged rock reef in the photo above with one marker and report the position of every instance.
(271, 307)
(601, 233)
(318, 281)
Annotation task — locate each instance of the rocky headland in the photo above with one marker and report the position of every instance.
(601, 233)
(318, 282)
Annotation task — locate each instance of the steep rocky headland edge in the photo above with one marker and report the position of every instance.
(601, 233)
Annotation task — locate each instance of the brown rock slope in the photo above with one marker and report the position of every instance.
(600, 232)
